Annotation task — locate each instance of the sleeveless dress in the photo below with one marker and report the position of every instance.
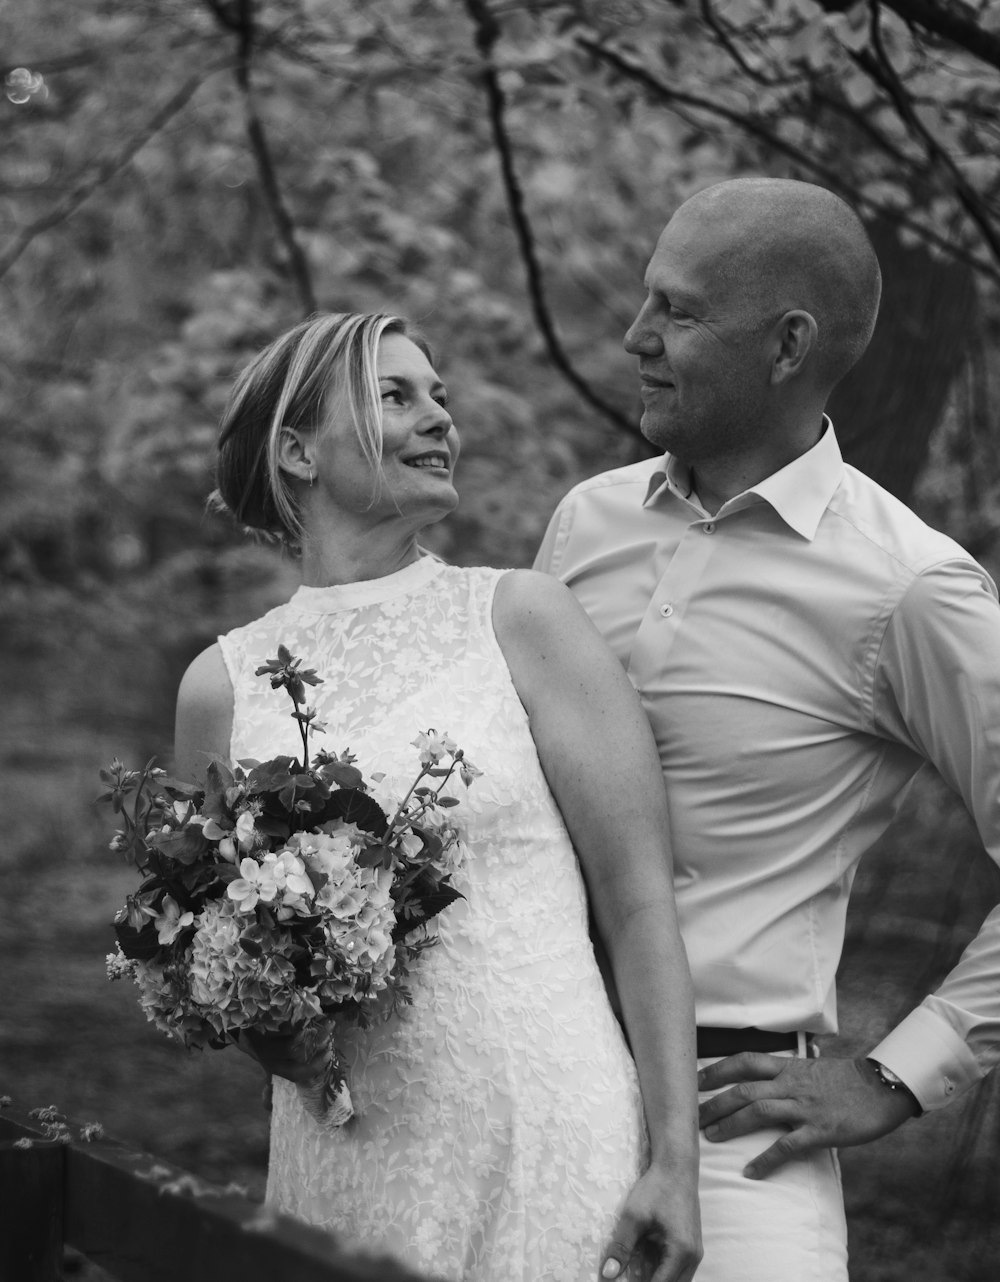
(499, 1123)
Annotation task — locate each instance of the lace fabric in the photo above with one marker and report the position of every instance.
(499, 1121)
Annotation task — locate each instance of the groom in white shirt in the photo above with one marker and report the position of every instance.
(802, 644)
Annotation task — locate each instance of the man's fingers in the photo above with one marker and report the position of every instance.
(739, 1098)
(748, 1066)
(761, 1115)
(791, 1146)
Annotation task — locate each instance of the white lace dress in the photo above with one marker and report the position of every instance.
(499, 1120)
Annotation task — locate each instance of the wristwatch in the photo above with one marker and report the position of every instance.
(894, 1082)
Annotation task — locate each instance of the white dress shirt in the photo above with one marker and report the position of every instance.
(800, 654)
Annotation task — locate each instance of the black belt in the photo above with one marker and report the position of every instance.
(714, 1043)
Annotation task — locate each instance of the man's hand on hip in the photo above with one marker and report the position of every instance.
(824, 1103)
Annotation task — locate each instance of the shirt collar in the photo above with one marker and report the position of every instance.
(800, 492)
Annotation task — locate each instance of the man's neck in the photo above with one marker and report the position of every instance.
(716, 481)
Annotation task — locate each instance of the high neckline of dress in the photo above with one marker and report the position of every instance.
(349, 596)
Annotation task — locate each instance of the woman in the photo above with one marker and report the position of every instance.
(500, 1131)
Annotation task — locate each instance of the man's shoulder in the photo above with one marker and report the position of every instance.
(633, 476)
(887, 524)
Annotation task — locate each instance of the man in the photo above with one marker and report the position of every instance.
(802, 643)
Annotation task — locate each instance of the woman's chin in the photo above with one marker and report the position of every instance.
(432, 506)
(421, 510)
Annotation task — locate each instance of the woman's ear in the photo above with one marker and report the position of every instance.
(797, 332)
(296, 453)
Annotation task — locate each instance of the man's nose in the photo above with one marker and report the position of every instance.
(641, 339)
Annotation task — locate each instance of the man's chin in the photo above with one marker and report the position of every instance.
(655, 431)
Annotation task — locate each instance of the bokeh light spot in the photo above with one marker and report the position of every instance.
(22, 85)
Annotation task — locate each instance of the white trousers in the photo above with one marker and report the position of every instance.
(789, 1227)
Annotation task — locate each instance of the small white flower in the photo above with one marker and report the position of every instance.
(432, 746)
(246, 832)
(289, 873)
(257, 882)
(170, 921)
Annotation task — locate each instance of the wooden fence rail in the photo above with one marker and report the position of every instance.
(143, 1220)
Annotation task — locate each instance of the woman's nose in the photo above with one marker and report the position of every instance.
(437, 420)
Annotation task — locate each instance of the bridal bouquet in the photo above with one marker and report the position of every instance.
(281, 894)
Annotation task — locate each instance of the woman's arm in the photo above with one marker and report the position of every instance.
(598, 755)
(204, 721)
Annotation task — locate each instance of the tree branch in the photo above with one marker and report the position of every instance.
(725, 35)
(107, 169)
(756, 129)
(727, 38)
(239, 20)
(487, 32)
(881, 70)
(947, 21)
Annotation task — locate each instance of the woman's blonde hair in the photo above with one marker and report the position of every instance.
(322, 366)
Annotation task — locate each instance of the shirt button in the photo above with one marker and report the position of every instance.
(666, 611)
(709, 527)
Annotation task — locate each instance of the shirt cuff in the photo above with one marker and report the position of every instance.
(928, 1055)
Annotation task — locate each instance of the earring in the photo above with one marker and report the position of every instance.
(312, 477)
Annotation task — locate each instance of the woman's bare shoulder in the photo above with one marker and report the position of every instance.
(204, 713)
(206, 680)
(536, 599)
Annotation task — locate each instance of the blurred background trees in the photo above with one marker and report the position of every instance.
(181, 179)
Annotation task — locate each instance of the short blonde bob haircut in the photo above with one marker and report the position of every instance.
(323, 367)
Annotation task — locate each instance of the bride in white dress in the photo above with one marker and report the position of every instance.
(500, 1131)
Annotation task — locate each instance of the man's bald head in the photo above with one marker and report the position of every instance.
(782, 245)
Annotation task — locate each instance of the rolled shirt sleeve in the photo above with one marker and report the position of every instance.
(938, 690)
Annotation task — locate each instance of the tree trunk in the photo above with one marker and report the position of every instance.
(887, 407)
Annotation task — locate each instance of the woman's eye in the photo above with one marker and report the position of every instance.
(393, 392)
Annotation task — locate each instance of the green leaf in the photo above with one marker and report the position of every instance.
(318, 878)
(250, 945)
(138, 945)
(180, 789)
(434, 902)
(355, 807)
(274, 826)
(433, 845)
(371, 856)
(184, 845)
(345, 776)
(218, 781)
(272, 776)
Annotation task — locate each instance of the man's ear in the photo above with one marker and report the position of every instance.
(797, 333)
(296, 453)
